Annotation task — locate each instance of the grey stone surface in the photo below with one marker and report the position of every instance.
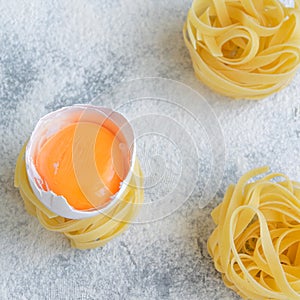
(57, 53)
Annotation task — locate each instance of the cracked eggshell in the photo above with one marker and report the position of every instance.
(57, 120)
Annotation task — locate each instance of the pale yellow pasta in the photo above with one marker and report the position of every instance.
(244, 48)
(85, 233)
(256, 244)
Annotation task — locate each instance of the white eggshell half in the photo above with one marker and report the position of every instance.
(57, 120)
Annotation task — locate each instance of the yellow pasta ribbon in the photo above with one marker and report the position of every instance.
(243, 48)
(256, 244)
(85, 233)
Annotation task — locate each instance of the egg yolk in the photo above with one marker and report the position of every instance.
(85, 163)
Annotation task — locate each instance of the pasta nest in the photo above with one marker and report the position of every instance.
(243, 48)
(256, 244)
(90, 232)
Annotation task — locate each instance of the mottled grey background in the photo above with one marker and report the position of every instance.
(56, 53)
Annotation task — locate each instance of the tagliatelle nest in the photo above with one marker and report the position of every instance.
(86, 233)
(256, 244)
(244, 48)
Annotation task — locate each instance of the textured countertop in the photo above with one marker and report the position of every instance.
(57, 53)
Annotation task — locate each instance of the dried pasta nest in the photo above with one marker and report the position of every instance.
(256, 244)
(244, 48)
(86, 233)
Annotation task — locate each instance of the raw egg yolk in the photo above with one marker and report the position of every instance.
(83, 162)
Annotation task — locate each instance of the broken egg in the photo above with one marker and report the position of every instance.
(79, 158)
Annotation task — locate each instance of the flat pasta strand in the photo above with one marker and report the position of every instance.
(256, 242)
(85, 233)
(243, 48)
